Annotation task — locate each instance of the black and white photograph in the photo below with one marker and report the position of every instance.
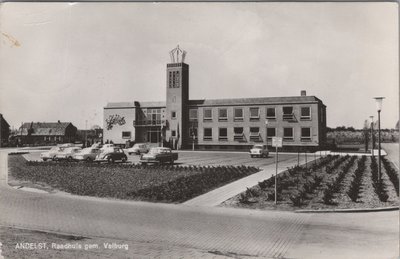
(199, 130)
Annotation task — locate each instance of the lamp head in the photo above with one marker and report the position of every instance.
(378, 101)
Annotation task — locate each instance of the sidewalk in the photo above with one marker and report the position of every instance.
(217, 196)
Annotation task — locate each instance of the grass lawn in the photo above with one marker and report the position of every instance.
(163, 183)
(332, 182)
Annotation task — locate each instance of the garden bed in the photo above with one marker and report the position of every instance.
(332, 182)
(164, 183)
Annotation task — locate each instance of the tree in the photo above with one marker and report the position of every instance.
(365, 134)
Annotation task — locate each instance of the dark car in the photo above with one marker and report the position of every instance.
(111, 155)
(159, 155)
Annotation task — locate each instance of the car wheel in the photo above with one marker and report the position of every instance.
(251, 156)
(171, 161)
(54, 158)
(88, 160)
(137, 152)
(143, 163)
(69, 159)
(110, 160)
(123, 159)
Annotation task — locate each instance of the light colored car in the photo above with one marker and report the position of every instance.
(65, 145)
(110, 155)
(259, 150)
(51, 154)
(107, 147)
(68, 153)
(159, 155)
(87, 154)
(138, 148)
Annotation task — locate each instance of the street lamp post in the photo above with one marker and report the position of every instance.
(372, 135)
(379, 108)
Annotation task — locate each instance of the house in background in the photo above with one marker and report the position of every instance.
(46, 133)
(4, 131)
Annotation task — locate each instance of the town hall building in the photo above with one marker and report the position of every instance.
(236, 123)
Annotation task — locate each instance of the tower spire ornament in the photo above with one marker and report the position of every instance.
(177, 55)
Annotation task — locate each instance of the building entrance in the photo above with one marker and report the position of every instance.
(154, 136)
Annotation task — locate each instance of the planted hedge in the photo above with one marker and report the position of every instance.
(166, 183)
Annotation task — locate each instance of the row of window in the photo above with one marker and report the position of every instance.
(55, 138)
(238, 113)
(174, 79)
(255, 135)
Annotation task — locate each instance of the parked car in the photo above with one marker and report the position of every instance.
(65, 145)
(111, 155)
(259, 150)
(107, 146)
(51, 154)
(67, 153)
(87, 154)
(159, 155)
(138, 149)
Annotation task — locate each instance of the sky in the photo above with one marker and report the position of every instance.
(65, 61)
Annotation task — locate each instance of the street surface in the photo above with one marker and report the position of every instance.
(202, 158)
(175, 229)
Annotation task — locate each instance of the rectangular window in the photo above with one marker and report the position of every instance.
(288, 133)
(207, 134)
(223, 134)
(238, 114)
(255, 134)
(207, 113)
(173, 133)
(254, 113)
(288, 113)
(271, 132)
(271, 114)
(222, 114)
(173, 115)
(238, 134)
(306, 134)
(126, 134)
(305, 113)
(193, 114)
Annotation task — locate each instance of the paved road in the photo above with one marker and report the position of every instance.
(174, 229)
(211, 158)
(392, 150)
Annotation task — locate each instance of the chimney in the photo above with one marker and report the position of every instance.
(303, 93)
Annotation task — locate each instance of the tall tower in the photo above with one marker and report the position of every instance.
(177, 99)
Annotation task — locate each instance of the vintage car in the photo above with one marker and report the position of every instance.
(111, 155)
(259, 150)
(87, 154)
(138, 149)
(159, 155)
(68, 153)
(51, 154)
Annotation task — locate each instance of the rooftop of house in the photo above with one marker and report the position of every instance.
(44, 128)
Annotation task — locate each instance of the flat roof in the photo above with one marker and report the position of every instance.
(221, 102)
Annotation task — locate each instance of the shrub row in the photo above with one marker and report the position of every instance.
(378, 184)
(392, 173)
(355, 185)
(335, 186)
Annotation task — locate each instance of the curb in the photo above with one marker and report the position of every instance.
(349, 210)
